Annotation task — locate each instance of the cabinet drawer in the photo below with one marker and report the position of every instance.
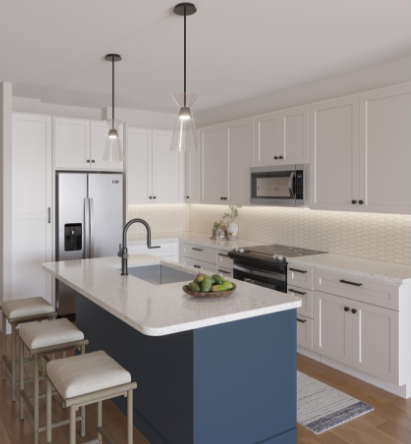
(200, 265)
(198, 252)
(306, 296)
(304, 332)
(223, 260)
(300, 275)
(357, 288)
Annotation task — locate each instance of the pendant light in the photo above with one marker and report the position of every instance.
(185, 135)
(113, 151)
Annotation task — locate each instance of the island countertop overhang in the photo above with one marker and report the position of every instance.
(157, 310)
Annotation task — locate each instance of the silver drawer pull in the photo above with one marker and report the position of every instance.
(298, 271)
(223, 255)
(297, 292)
(197, 249)
(350, 283)
(302, 320)
(224, 271)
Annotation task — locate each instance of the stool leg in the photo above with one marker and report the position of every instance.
(130, 417)
(83, 408)
(21, 379)
(99, 420)
(73, 424)
(49, 415)
(36, 399)
(13, 362)
(3, 334)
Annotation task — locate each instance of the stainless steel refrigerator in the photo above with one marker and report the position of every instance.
(89, 222)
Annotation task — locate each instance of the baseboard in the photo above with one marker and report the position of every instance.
(389, 387)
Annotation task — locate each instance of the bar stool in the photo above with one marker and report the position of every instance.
(18, 312)
(44, 338)
(88, 379)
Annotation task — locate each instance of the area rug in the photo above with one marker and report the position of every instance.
(321, 407)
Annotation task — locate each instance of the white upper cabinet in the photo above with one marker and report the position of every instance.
(139, 165)
(385, 150)
(214, 164)
(334, 154)
(72, 143)
(192, 177)
(80, 145)
(155, 174)
(99, 133)
(281, 137)
(32, 205)
(227, 154)
(168, 169)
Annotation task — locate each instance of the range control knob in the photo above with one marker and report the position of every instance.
(275, 256)
(280, 258)
(241, 250)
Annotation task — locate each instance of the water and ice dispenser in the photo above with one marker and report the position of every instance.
(73, 237)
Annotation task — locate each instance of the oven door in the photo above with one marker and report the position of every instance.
(263, 278)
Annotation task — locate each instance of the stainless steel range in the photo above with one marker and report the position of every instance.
(266, 265)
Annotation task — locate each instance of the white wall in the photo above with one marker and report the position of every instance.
(392, 73)
(5, 190)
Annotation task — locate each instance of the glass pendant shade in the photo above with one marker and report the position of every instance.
(185, 134)
(113, 151)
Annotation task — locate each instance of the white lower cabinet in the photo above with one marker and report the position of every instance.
(359, 335)
(199, 264)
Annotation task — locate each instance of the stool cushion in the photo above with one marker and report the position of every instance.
(48, 333)
(87, 373)
(20, 308)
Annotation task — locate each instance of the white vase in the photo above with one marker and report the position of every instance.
(232, 229)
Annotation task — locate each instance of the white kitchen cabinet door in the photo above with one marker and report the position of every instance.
(99, 133)
(295, 140)
(376, 341)
(240, 160)
(282, 137)
(385, 150)
(32, 205)
(334, 155)
(72, 144)
(139, 166)
(168, 169)
(269, 139)
(192, 176)
(214, 164)
(332, 335)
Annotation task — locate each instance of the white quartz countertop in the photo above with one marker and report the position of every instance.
(379, 270)
(157, 310)
(191, 238)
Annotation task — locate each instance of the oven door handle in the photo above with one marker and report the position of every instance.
(257, 272)
(291, 184)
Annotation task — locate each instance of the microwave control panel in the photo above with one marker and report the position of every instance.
(299, 184)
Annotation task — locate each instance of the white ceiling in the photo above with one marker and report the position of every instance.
(237, 49)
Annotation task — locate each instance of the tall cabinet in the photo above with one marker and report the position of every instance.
(32, 205)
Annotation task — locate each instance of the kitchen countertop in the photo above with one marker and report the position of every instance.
(157, 310)
(191, 238)
(378, 270)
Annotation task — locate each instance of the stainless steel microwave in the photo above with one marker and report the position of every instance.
(286, 185)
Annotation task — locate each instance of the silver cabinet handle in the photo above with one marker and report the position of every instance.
(224, 271)
(92, 227)
(197, 249)
(302, 320)
(49, 215)
(297, 292)
(223, 255)
(298, 271)
(86, 231)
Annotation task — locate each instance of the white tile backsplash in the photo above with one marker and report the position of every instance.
(384, 237)
(163, 218)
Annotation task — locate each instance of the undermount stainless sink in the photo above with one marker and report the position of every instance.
(159, 274)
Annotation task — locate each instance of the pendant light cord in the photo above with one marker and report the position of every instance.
(112, 93)
(185, 53)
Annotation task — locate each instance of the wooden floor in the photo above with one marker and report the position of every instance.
(389, 423)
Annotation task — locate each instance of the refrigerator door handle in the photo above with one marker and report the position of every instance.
(86, 232)
(92, 227)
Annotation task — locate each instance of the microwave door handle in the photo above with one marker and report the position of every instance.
(291, 184)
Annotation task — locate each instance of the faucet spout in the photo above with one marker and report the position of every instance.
(124, 252)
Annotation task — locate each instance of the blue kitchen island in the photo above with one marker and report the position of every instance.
(217, 371)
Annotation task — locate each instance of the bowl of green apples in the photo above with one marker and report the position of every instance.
(205, 286)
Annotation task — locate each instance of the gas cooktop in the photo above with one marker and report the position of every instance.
(273, 252)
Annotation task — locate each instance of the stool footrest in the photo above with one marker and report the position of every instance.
(64, 422)
(105, 435)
